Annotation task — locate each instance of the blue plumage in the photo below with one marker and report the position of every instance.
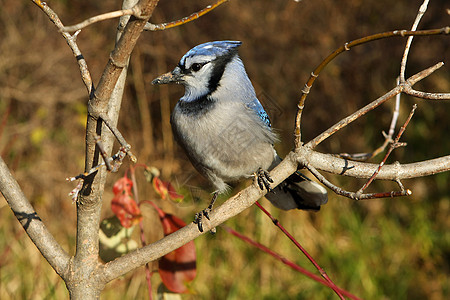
(208, 50)
(224, 129)
(259, 110)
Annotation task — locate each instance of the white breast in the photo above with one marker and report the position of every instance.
(228, 142)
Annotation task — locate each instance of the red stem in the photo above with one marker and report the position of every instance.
(287, 262)
(321, 271)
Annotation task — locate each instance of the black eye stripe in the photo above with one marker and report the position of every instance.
(194, 67)
(219, 67)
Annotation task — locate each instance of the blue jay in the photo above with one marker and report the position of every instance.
(225, 131)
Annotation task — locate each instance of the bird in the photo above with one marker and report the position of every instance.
(225, 131)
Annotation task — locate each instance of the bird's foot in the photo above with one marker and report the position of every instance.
(198, 220)
(205, 213)
(264, 180)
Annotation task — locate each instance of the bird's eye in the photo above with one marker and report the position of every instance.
(196, 67)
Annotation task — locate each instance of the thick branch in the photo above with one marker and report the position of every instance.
(426, 95)
(33, 225)
(100, 103)
(396, 171)
(106, 101)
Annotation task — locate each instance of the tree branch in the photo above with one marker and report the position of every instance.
(106, 100)
(354, 195)
(395, 144)
(154, 27)
(71, 41)
(425, 95)
(135, 11)
(398, 89)
(106, 16)
(32, 223)
(347, 47)
(340, 166)
(422, 10)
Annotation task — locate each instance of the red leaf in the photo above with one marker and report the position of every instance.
(165, 188)
(173, 193)
(123, 205)
(177, 268)
(123, 185)
(160, 187)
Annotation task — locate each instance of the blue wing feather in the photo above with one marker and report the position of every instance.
(256, 106)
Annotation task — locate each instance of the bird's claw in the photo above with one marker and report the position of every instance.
(205, 213)
(264, 180)
(198, 219)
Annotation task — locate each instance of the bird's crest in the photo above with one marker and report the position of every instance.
(207, 52)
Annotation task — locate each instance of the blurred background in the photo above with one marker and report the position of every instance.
(377, 249)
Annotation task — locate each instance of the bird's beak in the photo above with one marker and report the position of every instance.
(175, 76)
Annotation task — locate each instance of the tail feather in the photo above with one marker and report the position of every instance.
(298, 191)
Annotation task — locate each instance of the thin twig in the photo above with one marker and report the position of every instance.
(303, 250)
(102, 151)
(154, 27)
(400, 184)
(395, 114)
(357, 195)
(387, 137)
(74, 193)
(394, 145)
(347, 47)
(71, 41)
(134, 11)
(422, 10)
(116, 161)
(398, 89)
(119, 137)
(361, 112)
